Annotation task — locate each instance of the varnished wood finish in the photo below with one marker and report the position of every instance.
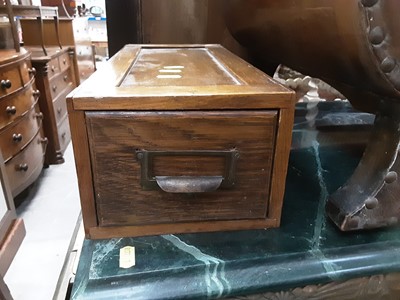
(32, 157)
(115, 136)
(9, 246)
(5, 293)
(18, 135)
(74, 34)
(169, 21)
(219, 103)
(12, 229)
(184, 227)
(80, 144)
(20, 120)
(23, 100)
(55, 79)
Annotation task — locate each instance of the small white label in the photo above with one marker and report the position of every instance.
(174, 67)
(169, 76)
(170, 71)
(127, 257)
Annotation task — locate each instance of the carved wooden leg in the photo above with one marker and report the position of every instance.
(371, 197)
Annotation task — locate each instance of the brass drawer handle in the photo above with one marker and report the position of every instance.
(32, 71)
(65, 78)
(187, 184)
(36, 93)
(5, 84)
(22, 167)
(11, 110)
(54, 88)
(17, 137)
(39, 116)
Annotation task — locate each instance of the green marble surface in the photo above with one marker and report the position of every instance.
(328, 141)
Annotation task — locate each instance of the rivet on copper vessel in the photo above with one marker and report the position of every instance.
(388, 64)
(391, 177)
(369, 3)
(376, 35)
(371, 203)
(354, 221)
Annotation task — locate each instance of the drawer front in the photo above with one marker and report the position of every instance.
(14, 106)
(53, 67)
(86, 68)
(169, 167)
(60, 105)
(64, 61)
(64, 134)
(25, 165)
(60, 82)
(17, 136)
(10, 80)
(27, 72)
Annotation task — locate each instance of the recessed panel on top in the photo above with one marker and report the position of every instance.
(178, 67)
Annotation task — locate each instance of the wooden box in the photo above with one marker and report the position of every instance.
(180, 138)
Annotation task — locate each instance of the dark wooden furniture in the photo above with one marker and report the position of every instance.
(353, 45)
(12, 229)
(21, 139)
(168, 22)
(55, 78)
(73, 33)
(180, 139)
(38, 12)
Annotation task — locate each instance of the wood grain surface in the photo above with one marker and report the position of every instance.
(218, 102)
(120, 199)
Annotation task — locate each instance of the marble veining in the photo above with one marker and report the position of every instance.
(307, 249)
(100, 256)
(330, 267)
(209, 262)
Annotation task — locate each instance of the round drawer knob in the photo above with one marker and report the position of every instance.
(64, 61)
(5, 84)
(54, 88)
(36, 93)
(59, 110)
(65, 77)
(63, 135)
(53, 68)
(17, 137)
(32, 71)
(44, 141)
(22, 167)
(11, 110)
(39, 116)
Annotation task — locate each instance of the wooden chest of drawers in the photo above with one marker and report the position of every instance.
(74, 34)
(55, 79)
(21, 138)
(174, 139)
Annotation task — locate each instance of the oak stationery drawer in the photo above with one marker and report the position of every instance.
(172, 139)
